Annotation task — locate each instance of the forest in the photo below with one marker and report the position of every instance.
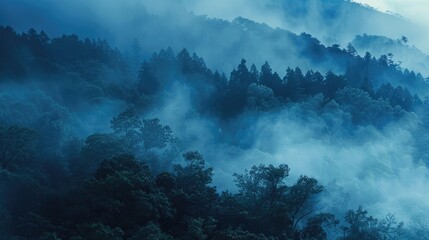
(86, 152)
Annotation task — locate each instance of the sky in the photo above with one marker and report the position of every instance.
(262, 11)
(257, 10)
(415, 10)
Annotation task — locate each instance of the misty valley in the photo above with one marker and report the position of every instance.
(157, 120)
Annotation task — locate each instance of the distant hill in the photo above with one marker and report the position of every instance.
(221, 43)
(339, 21)
(409, 56)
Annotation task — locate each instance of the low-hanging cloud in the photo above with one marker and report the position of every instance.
(364, 165)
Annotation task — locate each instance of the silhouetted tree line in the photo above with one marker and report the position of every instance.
(32, 52)
(264, 89)
(75, 71)
(92, 70)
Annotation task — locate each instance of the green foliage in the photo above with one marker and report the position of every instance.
(362, 226)
(270, 79)
(299, 197)
(145, 137)
(315, 226)
(155, 135)
(260, 98)
(98, 147)
(192, 194)
(199, 228)
(123, 200)
(118, 196)
(150, 231)
(136, 133)
(238, 235)
(99, 231)
(366, 110)
(240, 76)
(273, 207)
(294, 88)
(263, 183)
(333, 83)
(123, 192)
(16, 146)
(101, 146)
(195, 169)
(49, 236)
(126, 124)
(213, 94)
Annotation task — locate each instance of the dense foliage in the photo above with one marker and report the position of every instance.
(121, 198)
(137, 180)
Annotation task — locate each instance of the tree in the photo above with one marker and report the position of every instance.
(402, 97)
(49, 236)
(126, 127)
(98, 147)
(315, 226)
(148, 80)
(238, 234)
(234, 98)
(260, 98)
(151, 231)
(199, 65)
(385, 91)
(98, 231)
(200, 228)
(136, 56)
(101, 146)
(146, 138)
(16, 146)
(355, 74)
(262, 183)
(37, 42)
(404, 40)
(166, 57)
(333, 83)
(273, 207)
(363, 108)
(313, 83)
(194, 174)
(185, 61)
(351, 50)
(396, 96)
(122, 193)
(126, 123)
(262, 193)
(367, 87)
(362, 226)
(241, 76)
(135, 133)
(299, 197)
(193, 195)
(294, 84)
(270, 79)
(154, 134)
(254, 74)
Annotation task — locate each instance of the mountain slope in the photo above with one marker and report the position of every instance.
(220, 43)
(339, 21)
(409, 56)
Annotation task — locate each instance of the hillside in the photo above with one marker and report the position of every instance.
(143, 120)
